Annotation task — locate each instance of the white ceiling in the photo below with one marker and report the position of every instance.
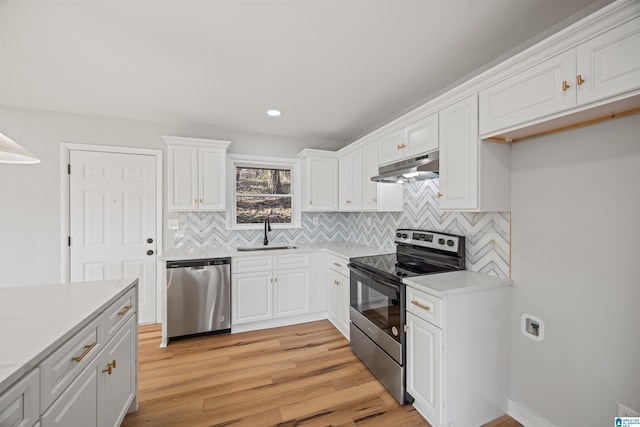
(337, 69)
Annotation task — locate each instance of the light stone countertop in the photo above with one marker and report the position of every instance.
(343, 249)
(456, 282)
(35, 320)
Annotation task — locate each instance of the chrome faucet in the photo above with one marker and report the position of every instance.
(267, 227)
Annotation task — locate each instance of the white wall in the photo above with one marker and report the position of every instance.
(576, 264)
(30, 195)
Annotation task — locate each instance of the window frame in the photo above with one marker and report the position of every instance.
(242, 160)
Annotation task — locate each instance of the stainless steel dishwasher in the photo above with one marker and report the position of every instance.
(198, 297)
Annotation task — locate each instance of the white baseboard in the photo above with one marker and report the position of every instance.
(525, 416)
(276, 323)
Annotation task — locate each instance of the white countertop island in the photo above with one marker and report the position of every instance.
(34, 320)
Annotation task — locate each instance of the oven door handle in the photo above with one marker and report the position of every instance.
(379, 279)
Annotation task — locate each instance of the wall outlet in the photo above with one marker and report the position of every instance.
(315, 220)
(173, 224)
(623, 411)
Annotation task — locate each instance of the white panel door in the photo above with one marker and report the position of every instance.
(291, 292)
(211, 178)
(424, 365)
(459, 145)
(113, 221)
(610, 64)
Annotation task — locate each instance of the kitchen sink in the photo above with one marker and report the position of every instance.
(263, 248)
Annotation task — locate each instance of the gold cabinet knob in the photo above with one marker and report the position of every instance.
(348, 202)
(110, 367)
(439, 195)
(579, 79)
(565, 86)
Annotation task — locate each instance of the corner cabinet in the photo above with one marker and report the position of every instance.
(196, 173)
(474, 174)
(319, 180)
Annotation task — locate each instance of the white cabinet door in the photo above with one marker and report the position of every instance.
(211, 179)
(345, 302)
(392, 147)
(335, 297)
(251, 297)
(78, 405)
(183, 177)
(424, 366)
(321, 184)
(534, 93)
(422, 136)
(609, 64)
(351, 181)
(291, 292)
(371, 194)
(459, 155)
(118, 384)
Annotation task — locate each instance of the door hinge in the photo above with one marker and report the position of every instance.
(69, 169)
(69, 241)
(406, 328)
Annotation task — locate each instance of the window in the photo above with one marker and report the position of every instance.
(263, 193)
(263, 188)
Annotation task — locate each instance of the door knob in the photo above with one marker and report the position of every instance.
(149, 252)
(149, 240)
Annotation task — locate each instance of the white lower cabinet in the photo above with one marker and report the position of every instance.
(458, 355)
(267, 288)
(339, 294)
(88, 380)
(20, 404)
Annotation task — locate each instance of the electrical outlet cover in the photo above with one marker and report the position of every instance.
(173, 224)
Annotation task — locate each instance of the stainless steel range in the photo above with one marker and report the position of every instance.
(378, 299)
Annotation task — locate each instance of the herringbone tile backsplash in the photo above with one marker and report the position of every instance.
(487, 233)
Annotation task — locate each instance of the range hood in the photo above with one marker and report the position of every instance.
(415, 169)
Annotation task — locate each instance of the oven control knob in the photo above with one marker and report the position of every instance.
(394, 330)
(449, 242)
(441, 241)
(398, 235)
(404, 236)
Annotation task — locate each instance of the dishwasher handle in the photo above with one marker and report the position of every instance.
(198, 262)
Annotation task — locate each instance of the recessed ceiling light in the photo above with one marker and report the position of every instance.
(274, 113)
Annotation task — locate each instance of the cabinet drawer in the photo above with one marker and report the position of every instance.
(250, 264)
(339, 264)
(59, 370)
(116, 315)
(291, 261)
(425, 306)
(20, 404)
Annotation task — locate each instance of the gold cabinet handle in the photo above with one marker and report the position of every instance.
(310, 202)
(579, 79)
(335, 282)
(337, 265)
(439, 195)
(565, 86)
(348, 202)
(398, 147)
(110, 367)
(195, 201)
(201, 200)
(124, 310)
(87, 349)
(422, 306)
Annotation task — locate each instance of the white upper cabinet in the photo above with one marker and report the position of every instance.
(536, 92)
(196, 173)
(606, 67)
(351, 181)
(392, 147)
(474, 174)
(419, 137)
(319, 180)
(609, 64)
(422, 136)
(377, 196)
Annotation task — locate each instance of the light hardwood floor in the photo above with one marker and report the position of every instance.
(295, 375)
